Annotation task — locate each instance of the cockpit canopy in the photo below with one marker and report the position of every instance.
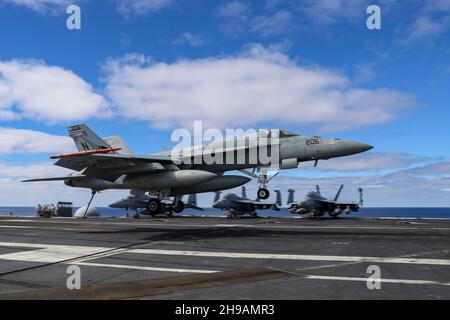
(281, 133)
(312, 194)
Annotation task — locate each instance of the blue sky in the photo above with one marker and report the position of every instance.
(142, 68)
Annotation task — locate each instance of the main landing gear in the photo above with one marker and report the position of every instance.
(155, 206)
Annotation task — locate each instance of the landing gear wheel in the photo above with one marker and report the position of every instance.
(154, 206)
(263, 193)
(178, 206)
(136, 216)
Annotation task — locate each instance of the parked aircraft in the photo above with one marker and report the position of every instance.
(317, 205)
(138, 203)
(236, 206)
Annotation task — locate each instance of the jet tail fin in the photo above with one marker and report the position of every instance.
(361, 200)
(338, 193)
(318, 190)
(192, 199)
(217, 196)
(278, 201)
(290, 196)
(118, 142)
(85, 139)
(244, 193)
(192, 202)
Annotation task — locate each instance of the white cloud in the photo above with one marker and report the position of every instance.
(142, 7)
(30, 141)
(403, 188)
(238, 17)
(364, 73)
(32, 171)
(31, 89)
(372, 161)
(42, 6)
(17, 193)
(234, 9)
(235, 17)
(194, 40)
(432, 20)
(331, 11)
(256, 86)
(276, 23)
(424, 28)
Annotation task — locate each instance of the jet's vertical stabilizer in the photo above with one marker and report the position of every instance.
(318, 190)
(217, 196)
(361, 200)
(118, 142)
(338, 193)
(244, 193)
(278, 202)
(290, 196)
(85, 139)
(192, 199)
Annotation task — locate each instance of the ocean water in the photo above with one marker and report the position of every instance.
(364, 212)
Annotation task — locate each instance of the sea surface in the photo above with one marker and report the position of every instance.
(364, 212)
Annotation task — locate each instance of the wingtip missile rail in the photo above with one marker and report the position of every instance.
(84, 153)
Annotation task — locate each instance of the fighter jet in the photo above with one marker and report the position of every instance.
(138, 203)
(317, 205)
(236, 206)
(109, 163)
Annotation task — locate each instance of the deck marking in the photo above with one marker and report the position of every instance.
(121, 266)
(270, 256)
(401, 281)
(174, 223)
(55, 253)
(265, 226)
(19, 227)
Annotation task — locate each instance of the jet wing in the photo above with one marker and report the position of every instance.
(112, 166)
(257, 204)
(54, 179)
(336, 203)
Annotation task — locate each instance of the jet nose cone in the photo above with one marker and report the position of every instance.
(349, 147)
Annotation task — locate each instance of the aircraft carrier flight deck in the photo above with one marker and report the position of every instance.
(217, 258)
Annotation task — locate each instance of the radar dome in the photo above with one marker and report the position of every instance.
(91, 213)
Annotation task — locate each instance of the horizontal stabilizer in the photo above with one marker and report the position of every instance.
(54, 179)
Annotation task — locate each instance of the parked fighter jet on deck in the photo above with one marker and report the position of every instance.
(138, 203)
(317, 205)
(236, 206)
(109, 163)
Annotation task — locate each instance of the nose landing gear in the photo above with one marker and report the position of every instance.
(262, 193)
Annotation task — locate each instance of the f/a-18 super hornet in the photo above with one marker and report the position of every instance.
(237, 206)
(138, 203)
(317, 205)
(109, 163)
